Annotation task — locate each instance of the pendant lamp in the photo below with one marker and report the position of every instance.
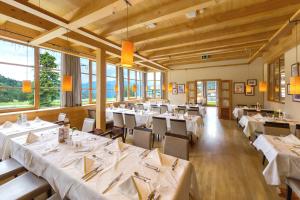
(67, 83)
(134, 88)
(295, 80)
(26, 84)
(262, 86)
(116, 88)
(170, 87)
(127, 49)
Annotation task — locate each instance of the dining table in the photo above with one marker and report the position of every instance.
(118, 170)
(10, 130)
(255, 123)
(283, 155)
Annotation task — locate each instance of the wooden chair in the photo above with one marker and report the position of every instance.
(159, 127)
(114, 133)
(194, 112)
(10, 168)
(62, 119)
(88, 125)
(293, 185)
(163, 109)
(277, 129)
(297, 130)
(24, 187)
(178, 127)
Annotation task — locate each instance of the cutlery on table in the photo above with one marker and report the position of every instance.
(87, 174)
(93, 174)
(144, 154)
(152, 167)
(143, 178)
(174, 164)
(154, 195)
(115, 180)
(108, 151)
(108, 143)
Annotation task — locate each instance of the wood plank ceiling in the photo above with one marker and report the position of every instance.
(160, 29)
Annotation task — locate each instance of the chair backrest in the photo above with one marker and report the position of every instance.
(92, 113)
(159, 125)
(142, 137)
(61, 117)
(130, 121)
(182, 107)
(241, 105)
(277, 129)
(181, 110)
(163, 109)
(177, 145)
(178, 127)
(194, 108)
(155, 109)
(193, 112)
(88, 125)
(140, 106)
(118, 120)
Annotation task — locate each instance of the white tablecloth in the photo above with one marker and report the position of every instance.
(193, 123)
(66, 180)
(252, 124)
(16, 130)
(171, 107)
(142, 117)
(238, 112)
(282, 161)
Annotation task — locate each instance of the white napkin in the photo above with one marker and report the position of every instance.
(258, 116)
(129, 189)
(154, 156)
(291, 139)
(37, 119)
(118, 144)
(87, 164)
(31, 138)
(7, 124)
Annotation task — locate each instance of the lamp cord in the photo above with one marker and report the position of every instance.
(127, 19)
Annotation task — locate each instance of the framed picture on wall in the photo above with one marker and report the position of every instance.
(181, 88)
(288, 89)
(295, 69)
(174, 91)
(251, 93)
(296, 97)
(252, 82)
(239, 88)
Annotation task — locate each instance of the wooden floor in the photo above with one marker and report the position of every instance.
(227, 166)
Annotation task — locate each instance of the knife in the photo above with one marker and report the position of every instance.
(87, 174)
(174, 164)
(93, 174)
(113, 182)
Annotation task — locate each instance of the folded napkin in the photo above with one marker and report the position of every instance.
(129, 189)
(258, 116)
(118, 145)
(87, 164)
(37, 119)
(155, 157)
(7, 124)
(31, 138)
(291, 139)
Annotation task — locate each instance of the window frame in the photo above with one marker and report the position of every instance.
(135, 79)
(277, 80)
(117, 81)
(155, 79)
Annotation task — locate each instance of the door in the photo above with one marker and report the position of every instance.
(207, 92)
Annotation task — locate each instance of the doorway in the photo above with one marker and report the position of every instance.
(207, 92)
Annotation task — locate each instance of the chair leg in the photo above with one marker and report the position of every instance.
(153, 137)
(289, 193)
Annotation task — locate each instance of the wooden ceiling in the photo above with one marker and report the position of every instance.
(221, 29)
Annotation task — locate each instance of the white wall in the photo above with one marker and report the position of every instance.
(235, 70)
(290, 107)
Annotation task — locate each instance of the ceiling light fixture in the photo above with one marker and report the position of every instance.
(191, 14)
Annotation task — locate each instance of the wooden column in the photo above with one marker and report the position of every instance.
(101, 89)
(36, 78)
(166, 85)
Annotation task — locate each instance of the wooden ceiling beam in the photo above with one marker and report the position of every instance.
(39, 13)
(216, 35)
(237, 17)
(285, 29)
(260, 37)
(158, 14)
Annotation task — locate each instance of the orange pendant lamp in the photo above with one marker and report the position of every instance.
(134, 88)
(127, 48)
(26, 86)
(67, 83)
(248, 88)
(116, 88)
(295, 85)
(170, 87)
(127, 53)
(262, 86)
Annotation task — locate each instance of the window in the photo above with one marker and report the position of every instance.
(16, 65)
(85, 81)
(94, 82)
(50, 78)
(111, 82)
(276, 80)
(125, 74)
(132, 84)
(139, 84)
(154, 85)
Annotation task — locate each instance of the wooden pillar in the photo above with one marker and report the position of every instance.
(36, 78)
(101, 89)
(166, 85)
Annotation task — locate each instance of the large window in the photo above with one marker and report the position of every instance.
(154, 85)
(16, 65)
(276, 80)
(111, 82)
(50, 78)
(85, 81)
(132, 84)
